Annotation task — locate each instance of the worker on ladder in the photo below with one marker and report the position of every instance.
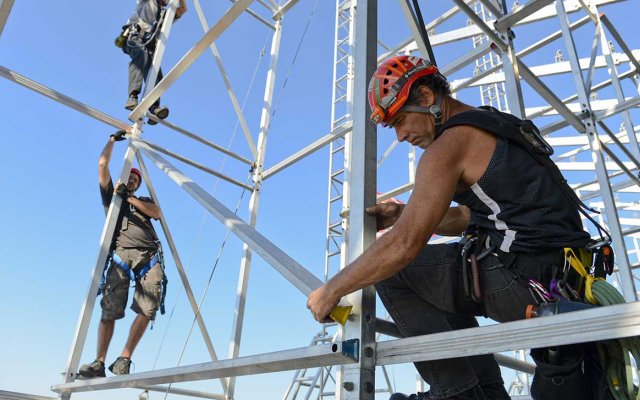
(522, 212)
(138, 40)
(136, 256)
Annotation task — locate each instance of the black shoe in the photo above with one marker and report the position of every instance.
(120, 366)
(402, 396)
(93, 370)
(132, 102)
(160, 112)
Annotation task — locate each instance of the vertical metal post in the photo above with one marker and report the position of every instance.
(254, 202)
(180, 268)
(624, 270)
(513, 90)
(105, 244)
(360, 378)
(617, 87)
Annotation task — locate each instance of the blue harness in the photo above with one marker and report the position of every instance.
(114, 258)
(127, 269)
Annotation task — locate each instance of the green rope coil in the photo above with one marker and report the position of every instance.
(620, 368)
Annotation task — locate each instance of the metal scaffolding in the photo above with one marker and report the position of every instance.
(600, 161)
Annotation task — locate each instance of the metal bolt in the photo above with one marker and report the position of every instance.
(348, 386)
(368, 387)
(368, 352)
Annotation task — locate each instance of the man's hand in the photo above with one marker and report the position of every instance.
(122, 191)
(321, 303)
(119, 135)
(386, 214)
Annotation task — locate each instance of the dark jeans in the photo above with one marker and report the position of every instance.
(141, 60)
(427, 296)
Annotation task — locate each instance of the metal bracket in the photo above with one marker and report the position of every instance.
(351, 349)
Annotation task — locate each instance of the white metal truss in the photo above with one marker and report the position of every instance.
(579, 125)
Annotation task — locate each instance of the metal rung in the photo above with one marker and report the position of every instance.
(339, 99)
(335, 224)
(337, 198)
(335, 253)
(338, 172)
(337, 149)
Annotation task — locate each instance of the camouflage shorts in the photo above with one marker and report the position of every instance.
(148, 290)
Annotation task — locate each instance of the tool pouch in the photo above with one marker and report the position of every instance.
(561, 376)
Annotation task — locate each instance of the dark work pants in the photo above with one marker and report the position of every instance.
(141, 60)
(427, 296)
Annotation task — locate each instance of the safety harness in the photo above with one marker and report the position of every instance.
(157, 258)
(597, 256)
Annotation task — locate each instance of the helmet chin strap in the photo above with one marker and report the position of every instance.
(434, 110)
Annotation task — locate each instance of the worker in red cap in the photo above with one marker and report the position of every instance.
(135, 255)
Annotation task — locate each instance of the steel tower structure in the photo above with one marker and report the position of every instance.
(577, 124)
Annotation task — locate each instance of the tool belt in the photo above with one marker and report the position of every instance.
(561, 279)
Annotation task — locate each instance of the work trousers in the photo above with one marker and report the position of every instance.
(141, 60)
(427, 296)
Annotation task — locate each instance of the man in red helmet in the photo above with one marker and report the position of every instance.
(135, 257)
(521, 224)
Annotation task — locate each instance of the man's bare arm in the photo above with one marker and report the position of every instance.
(455, 221)
(103, 163)
(439, 171)
(148, 208)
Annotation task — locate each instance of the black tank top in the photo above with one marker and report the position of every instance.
(517, 202)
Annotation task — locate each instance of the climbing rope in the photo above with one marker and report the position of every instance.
(620, 371)
(615, 353)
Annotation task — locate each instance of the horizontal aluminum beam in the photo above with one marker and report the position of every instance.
(394, 192)
(62, 98)
(621, 320)
(196, 165)
(5, 10)
(509, 20)
(189, 58)
(283, 9)
(201, 140)
(184, 392)
(257, 16)
(390, 329)
(305, 357)
(312, 148)
(5, 395)
(302, 279)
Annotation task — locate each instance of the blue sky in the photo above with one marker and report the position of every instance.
(50, 211)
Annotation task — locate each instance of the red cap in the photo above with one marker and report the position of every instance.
(137, 172)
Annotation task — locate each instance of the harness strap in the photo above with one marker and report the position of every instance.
(576, 264)
(127, 269)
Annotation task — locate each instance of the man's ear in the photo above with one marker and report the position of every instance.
(427, 96)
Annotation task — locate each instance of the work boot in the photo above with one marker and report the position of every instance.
(132, 102)
(120, 366)
(93, 370)
(160, 112)
(475, 393)
(402, 396)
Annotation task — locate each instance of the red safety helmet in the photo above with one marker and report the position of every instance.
(389, 86)
(137, 172)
